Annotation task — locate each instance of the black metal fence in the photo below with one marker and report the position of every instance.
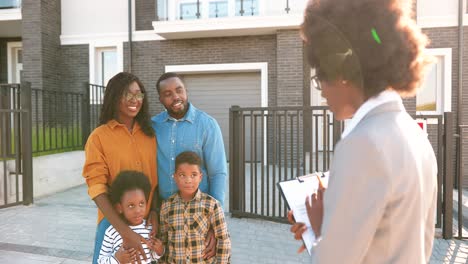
(15, 145)
(96, 98)
(39, 122)
(271, 144)
(61, 120)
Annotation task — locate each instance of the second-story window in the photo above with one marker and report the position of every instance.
(188, 10)
(246, 7)
(6, 4)
(218, 8)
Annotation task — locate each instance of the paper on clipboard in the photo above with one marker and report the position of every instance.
(295, 192)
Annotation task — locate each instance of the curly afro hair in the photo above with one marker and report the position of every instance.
(387, 48)
(128, 181)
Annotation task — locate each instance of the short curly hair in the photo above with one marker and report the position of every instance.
(128, 181)
(375, 44)
(188, 157)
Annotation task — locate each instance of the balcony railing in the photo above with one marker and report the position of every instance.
(201, 9)
(10, 4)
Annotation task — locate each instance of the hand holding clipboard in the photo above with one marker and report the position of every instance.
(307, 217)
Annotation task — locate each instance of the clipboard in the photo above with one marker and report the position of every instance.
(294, 192)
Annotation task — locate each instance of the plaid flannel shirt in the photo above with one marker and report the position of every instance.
(184, 226)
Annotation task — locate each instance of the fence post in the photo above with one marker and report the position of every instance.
(307, 132)
(447, 228)
(26, 147)
(337, 129)
(234, 149)
(85, 114)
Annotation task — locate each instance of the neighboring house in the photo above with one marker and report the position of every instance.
(231, 52)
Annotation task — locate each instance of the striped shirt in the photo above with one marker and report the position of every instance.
(113, 241)
(184, 226)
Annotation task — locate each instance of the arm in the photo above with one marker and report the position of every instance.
(354, 202)
(214, 158)
(153, 216)
(223, 245)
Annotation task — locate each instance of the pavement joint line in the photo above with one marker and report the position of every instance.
(45, 251)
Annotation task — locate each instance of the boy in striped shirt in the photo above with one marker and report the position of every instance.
(129, 194)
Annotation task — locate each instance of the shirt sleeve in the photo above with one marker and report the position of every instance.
(354, 202)
(107, 254)
(155, 256)
(95, 169)
(214, 157)
(223, 246)
(164, 227)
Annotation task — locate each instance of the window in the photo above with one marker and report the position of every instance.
(434, 96)
(107, 65)
(6, 4)
(189, 10)
(14, 61)
(246, 7)
(162, 7)
(218, 9)
(429, 95)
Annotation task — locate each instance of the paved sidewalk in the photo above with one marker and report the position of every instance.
(60, 229)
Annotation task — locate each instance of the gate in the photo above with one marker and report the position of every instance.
(271, 144)
(15, 145)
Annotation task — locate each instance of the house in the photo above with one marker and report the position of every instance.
(231, 52)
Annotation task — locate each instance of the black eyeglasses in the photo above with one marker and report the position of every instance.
(315, 82)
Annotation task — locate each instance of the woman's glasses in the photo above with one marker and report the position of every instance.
(138, 97)
(315, 82)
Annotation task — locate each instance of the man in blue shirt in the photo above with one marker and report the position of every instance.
(183, 127)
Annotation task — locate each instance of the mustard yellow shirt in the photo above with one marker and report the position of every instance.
(110, 149)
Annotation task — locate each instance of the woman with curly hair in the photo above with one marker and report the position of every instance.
(381, 199)
(124, 140)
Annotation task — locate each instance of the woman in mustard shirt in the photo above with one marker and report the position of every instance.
(124, 140)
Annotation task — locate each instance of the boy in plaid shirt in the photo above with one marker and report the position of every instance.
(187, 216)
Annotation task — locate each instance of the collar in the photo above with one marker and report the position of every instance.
(114, 123)
(196, 198)
(189, 116)
(143, 224)
(382, 98)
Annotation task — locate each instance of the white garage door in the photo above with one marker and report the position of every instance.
(216, 93)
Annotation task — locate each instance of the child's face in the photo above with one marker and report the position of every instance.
(187, 177)
(133, 206)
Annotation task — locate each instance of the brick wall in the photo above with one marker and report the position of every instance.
(150, 57)
(74, 67)
(41, 43)
(50, 36)
(145, 14)
(32, 42)
(289, 68)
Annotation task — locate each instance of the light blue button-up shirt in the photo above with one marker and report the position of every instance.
(197, 132)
